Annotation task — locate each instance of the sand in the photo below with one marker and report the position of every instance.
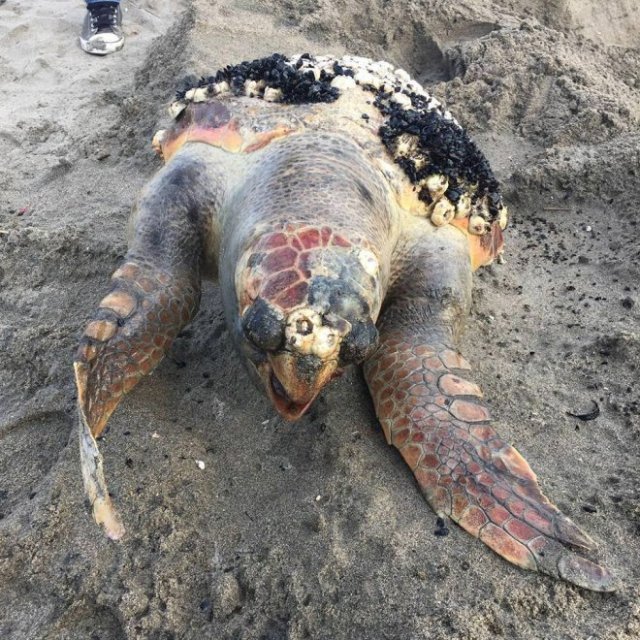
(316, 530)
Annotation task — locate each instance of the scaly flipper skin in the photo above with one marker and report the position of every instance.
(154, 294)
(435, 416)
(131, 331)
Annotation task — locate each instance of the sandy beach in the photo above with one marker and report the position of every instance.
(317, 529)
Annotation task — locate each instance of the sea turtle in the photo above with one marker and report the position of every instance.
(343, 211)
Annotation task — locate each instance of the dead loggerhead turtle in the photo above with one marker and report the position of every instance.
(343, 211)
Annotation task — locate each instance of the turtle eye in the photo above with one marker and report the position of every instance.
(359, 343)
(264, 326)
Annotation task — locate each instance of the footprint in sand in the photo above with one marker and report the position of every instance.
(29, 448)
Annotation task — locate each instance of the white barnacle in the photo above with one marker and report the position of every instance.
(382, 67)
(188, 96)
(478, 226)
(437, 184)
(433, 104)
(482, 208)
(157, 141)
(463, 207)
(271, 94)
(306, 333)
(412, 85)
(402, 75)
(200, 95)
(503, 217)
(442, 212)
(221, 87)
(176, 108)
(300, 330)
(367, 79)
(419, 161)
(357, 62)
(369, 262)
(402, 99)
(251, 88)
(406, 144)
(328, 67)
(326, 342)
(343, 82)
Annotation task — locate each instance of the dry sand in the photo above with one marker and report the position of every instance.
(244, 548)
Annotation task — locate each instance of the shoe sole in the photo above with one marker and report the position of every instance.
(102, 48)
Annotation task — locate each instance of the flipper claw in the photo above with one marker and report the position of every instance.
(555, 560)
(586, 574)
(569, 533)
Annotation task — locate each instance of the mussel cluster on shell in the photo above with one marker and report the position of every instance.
(450, 174)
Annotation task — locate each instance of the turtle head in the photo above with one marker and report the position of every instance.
(296, 354)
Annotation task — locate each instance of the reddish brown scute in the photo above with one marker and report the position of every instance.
(278, 264)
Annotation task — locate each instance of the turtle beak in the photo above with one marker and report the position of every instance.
(294, 376)
(293, 382)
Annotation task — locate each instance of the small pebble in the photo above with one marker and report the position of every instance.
(441, 528)
(227, 595)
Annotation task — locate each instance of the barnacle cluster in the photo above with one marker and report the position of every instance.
(450, 174)
(275, 79)
(306, 333)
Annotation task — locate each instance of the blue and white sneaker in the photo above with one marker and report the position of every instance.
(102, 29)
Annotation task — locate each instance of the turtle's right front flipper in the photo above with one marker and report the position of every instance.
(154, 294)
(129, 334)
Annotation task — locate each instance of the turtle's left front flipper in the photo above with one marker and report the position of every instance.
(436, 417)
(154, 294)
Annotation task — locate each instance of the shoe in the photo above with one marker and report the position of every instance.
(102, 29)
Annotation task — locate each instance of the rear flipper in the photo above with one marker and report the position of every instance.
(436, 418)
(155, 293)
